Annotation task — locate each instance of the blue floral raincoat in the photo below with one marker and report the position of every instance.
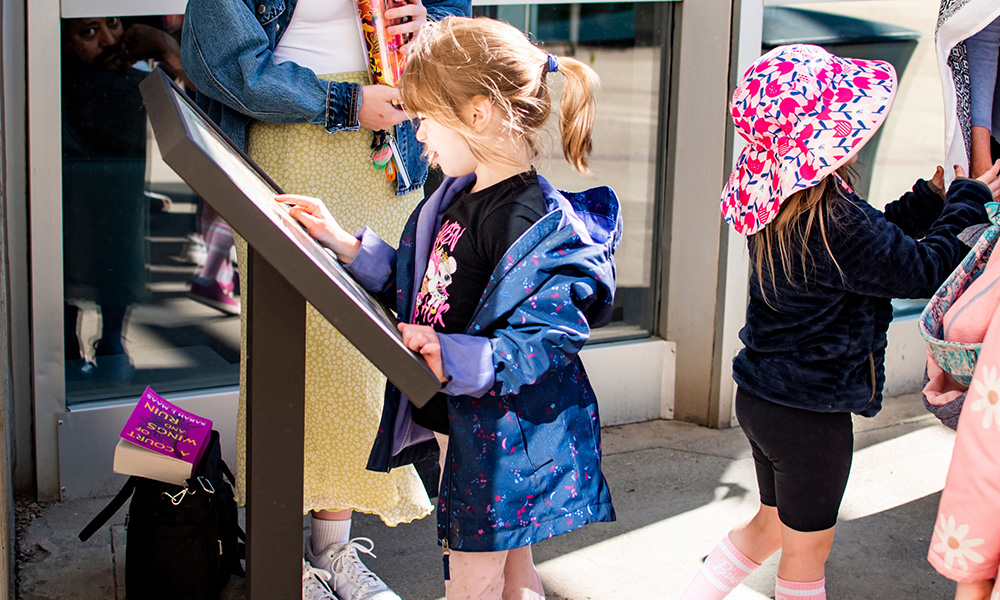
(524, 457)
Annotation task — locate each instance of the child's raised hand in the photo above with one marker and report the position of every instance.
(321, 225)
(991, 178)
(423, 339)
(937, 180)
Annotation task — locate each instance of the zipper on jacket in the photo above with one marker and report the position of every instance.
(871, 363)
(445, 553)
(445, 544)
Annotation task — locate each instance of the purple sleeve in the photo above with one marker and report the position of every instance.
(374, 264)
(467, 361)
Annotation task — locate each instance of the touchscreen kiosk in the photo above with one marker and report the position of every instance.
(193, 146)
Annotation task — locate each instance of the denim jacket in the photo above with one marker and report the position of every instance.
(227, 49)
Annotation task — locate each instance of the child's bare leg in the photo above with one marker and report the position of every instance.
(476, 575)
(804, 554)
(760, 537)
(520, 578)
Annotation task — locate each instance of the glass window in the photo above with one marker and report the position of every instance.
(151, 296)
(628, 45)
(911, 141)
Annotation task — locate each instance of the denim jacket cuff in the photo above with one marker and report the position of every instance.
(343, 105)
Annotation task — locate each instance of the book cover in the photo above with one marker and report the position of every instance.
(131, 459)
(385, 54)
(159, 426)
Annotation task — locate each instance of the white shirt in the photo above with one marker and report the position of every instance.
(325, 36)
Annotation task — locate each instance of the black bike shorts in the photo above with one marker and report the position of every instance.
(803, 459)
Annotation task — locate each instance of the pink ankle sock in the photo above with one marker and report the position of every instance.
(722, 571)
(797, 590)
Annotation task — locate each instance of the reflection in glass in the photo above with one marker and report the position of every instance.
(131, 232)
(628, 45)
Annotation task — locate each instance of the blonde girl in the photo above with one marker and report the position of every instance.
(825, 264)
(498, 280)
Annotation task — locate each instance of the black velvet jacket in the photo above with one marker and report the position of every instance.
(819, 343)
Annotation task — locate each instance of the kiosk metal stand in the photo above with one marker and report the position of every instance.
(276, 324)
(285, 267)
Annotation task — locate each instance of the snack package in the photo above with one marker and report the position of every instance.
(385, 55)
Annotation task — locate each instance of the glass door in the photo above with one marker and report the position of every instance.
(628, 45)
(132, 277)
(150, 295)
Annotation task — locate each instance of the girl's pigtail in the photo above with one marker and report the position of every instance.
(577, 110)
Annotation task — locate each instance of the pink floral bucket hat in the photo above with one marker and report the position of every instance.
(804, 112)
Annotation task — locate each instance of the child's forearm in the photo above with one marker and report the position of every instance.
(916, 210)
(345, 247)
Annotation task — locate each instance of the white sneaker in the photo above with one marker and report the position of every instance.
(314, 586)
(352, 580)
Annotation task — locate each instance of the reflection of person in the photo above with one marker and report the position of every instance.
(825, 265)
(213, 284)
(968, 45)
(287, 82)
(530, 277)
(105, 210)
(965, 546)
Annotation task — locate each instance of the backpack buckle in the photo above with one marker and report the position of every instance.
(177, 498)
(206, 485)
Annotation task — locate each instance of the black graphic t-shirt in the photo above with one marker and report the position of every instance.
(476, 231)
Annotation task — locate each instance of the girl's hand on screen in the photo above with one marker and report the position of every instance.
(317, 220)
(423, 339)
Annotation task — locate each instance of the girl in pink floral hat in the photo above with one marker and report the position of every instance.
(825, 264)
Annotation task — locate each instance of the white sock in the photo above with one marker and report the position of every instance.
(325, 533)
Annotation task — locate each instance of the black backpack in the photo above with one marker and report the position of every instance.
(182, 541)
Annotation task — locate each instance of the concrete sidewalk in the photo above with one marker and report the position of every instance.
(677, 489)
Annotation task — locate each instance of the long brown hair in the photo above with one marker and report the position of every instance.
(800, 213)
(458, 59)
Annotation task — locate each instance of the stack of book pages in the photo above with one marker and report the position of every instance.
(161, 441)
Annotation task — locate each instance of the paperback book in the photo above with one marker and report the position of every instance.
(161, 440)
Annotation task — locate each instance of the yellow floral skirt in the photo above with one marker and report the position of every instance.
(344, 392)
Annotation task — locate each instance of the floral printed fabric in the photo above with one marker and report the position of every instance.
(958, 357)
(524, 459)
(966, 542)
(803, 112)
(344, 390)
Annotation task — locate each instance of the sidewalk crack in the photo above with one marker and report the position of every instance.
(114, 565)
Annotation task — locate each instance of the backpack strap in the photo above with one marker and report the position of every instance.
(109, 510)
(241, 536)
(225, 471)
